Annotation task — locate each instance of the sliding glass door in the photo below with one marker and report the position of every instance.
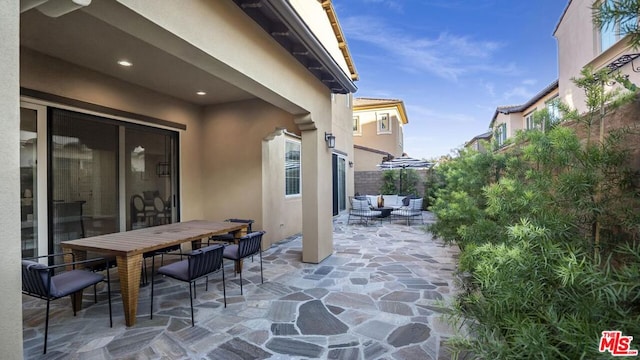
(83, 153)
(150, 177)
(85, 175)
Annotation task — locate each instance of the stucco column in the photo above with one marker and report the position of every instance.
(11, 303)
(317, 225)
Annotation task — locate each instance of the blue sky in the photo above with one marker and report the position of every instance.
(452, 62)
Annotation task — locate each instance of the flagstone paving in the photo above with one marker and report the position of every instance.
(381, 295)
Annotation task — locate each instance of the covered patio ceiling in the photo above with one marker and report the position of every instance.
(85, 40)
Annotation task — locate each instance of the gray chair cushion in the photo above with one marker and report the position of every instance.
(231, 252)
(178, 270)
(72, 281)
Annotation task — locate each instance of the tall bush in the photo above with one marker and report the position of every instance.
(542, 282)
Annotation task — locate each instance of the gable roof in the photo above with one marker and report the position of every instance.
(373, 103)
(509, 109)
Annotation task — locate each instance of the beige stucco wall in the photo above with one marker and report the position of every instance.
(233, 178)
(342, 128)
(366, 160)
(249, 50)
(370, 138)
(578, 46)
(10, 301)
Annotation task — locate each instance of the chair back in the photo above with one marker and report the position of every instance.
(250, 244)
(36, 279)
(158, 204)
(244, 221)
(357, 204)
(137, 203)
(205, 260)
(415, 204)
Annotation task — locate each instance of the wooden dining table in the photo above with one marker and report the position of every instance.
(128, 247)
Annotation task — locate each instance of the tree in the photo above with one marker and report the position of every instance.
(621, 15)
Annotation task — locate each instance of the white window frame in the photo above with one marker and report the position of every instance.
(529, 122)
(380, 120)
(286, 182)
(357, 124)
(501, 134)
(612, 33)
(553, 109)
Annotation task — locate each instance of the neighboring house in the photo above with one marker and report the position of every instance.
(582, 44)
(477, 142)
(377, 131)
(507, 120)
(221, 108)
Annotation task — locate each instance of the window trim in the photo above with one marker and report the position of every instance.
(299, 145)
(501, 134)
(613, 30)
(358, 130)
(379, 121)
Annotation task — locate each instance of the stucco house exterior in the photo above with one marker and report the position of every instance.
(582, 44)
(377, 131)
(509, 119)
(476, 143)
(220, 108)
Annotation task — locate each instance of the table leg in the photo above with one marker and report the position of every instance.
(237, 235)
(129, 273)
(76, 298)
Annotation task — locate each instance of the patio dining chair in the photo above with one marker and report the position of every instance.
(199, 264)
(41, 281)
(230, 237)
(248, 245)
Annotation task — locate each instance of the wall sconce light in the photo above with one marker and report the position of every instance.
(350, 164)
(330, 139)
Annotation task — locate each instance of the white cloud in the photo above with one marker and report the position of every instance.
(529, 82)
(519, 93)
(448, 56)
(423, 113)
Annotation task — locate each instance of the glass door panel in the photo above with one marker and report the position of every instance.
(342, 182)
(83, 176)
(150, 173)
(28, 182)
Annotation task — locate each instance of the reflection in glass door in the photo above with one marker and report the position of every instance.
(83, 180)
(150, 173)
(28, 181)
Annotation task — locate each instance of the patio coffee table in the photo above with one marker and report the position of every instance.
(386, 211)
(128, 247)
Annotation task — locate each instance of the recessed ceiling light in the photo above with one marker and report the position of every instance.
(201, 93)
(125, 63)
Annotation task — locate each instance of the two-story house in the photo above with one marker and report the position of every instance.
(221, 109)
(507, 120)
(582, 44)
(377, 131)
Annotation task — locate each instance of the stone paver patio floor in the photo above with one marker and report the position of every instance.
(379, 296)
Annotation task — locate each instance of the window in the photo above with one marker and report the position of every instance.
(553, 108)
(292, 168)
(384, 126)
(530, 122)
(501, 134)
(357, 130)
(613, 32)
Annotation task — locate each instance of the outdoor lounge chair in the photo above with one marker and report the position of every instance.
(248, 245)
(413, 210)
(360, 208)
(200, 264)
(41, 281)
